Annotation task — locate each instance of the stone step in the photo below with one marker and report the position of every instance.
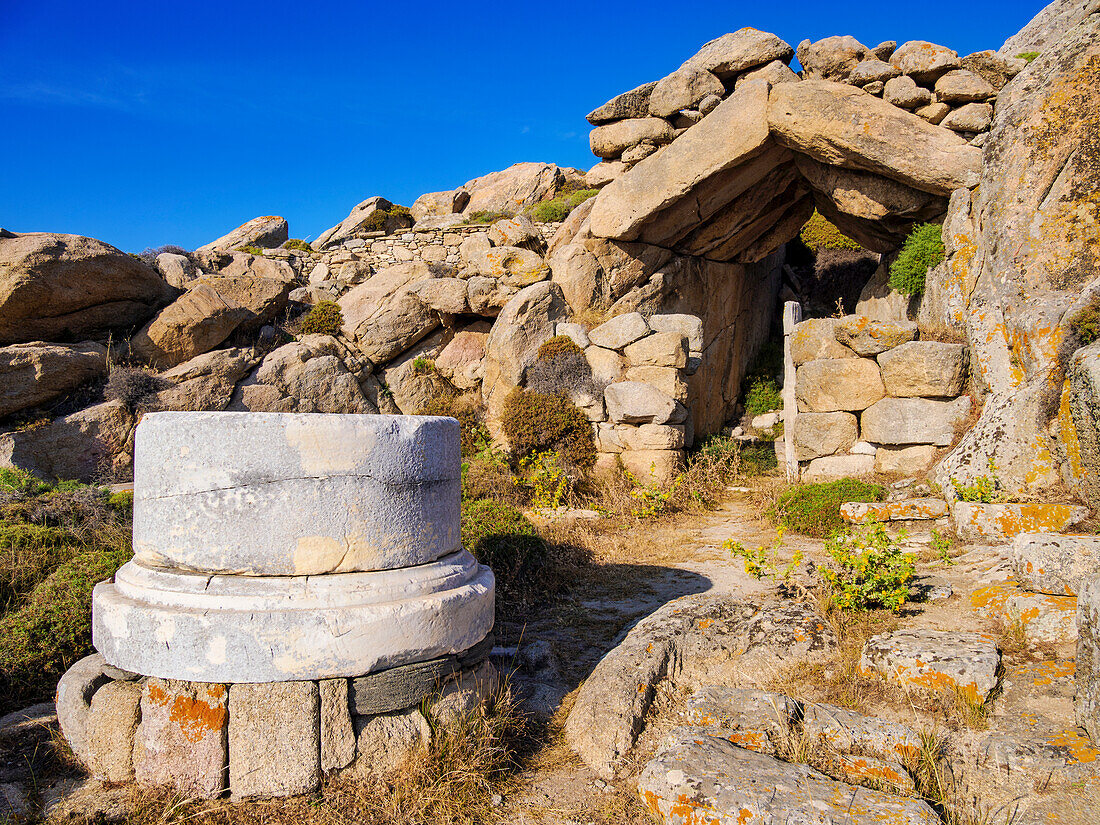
(913, 509)
(997, 523)
(936, 660)
(1045, 618)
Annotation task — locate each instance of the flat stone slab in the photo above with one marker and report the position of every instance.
(181, 740)
(706, 779)
(287, 494)
(845, 730)
(913, 509)
(226, 629)
(937, 660)
(1058, 565)
(752, 719)
(1045, 618)
(999, 523)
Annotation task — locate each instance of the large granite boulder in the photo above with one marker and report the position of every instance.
(35, 373)
(194, 323)
(739, 51)
(206, 382)
(355, 222)
(266, 232)
(58, 287)
(383, 316)
(634, 103)
(92, 444)
(520, 185)
(833, 58)
(1049, 26)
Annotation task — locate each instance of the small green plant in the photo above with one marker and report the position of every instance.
(1028, 56)
(922, 250)
(650, 497)
(764, 561)
(758, 459)
(483, 216)
(324, 319)
(763, 396)
(251, 249)
(942, 546)
(869, 569)
(535, 422)
(814, 509)
(1086, 322)
(558, 209)
(545, 478)
(498, 535)
(423, 366)
(984, 489)
(299, 244)
(818, 233)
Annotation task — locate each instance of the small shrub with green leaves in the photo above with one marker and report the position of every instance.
(485, 216)
(423, 366)
(763, 396)
(534, 422)
(758, 459)
(818, 233)
(545, 479)
(869, 569)
(763, 562)
(470, 414)
(557, 209)
(498, 535)
(651, 498)
(299, 244)
(982, 490)
(324, 319)
(814, 509)
(251, 249)
(1086, 322)
(1028, 56)
(942, 546)
(922, 250)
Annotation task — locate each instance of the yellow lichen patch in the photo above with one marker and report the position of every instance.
(753, 740)
(705, 623)
(1068, 430)
(1045, 673)
(1077, 744)
(861, 768)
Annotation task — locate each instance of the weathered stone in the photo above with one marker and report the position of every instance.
(619, 332)
(832, 467)
(904, 92)
(74, 701)
(85, 445)
(924, 61)
(847, 731)
(712, 150)
(518, 231)
(445, 295)
(869, 338)
(689, 326)
(1086, 699)
(434, 204)
(62, 287)
(651, 437)
(682, 89)
(384, 742)
(914, 421)
(830, 385)
(910, 509)
(875, 87)
(905, 461)
(460, 360)
(738, 51)
(752, 719)
(661, 349)
(962, 86)
(1044, 618)
(193, 324)
(833, 58)
(657, 467)
(577, 333)
(632, 104)
(936, 660)
(630, 402)
(354, 223)
(604, 172)
(398, 688)
(182, 740)
(488, 296)
(994, 69)
(336, 730)
(273, 739)
(934, 113)
(870, 70)
(37, 372)
(111, 723)
(383, 316)
(973, 117)
(1000, 523)
(697, 778)
(838, 124)
(607, 365)
(612, 139)
(820, 434)
(775, 72)
(1082, 423)
(668, 380)
(924, 368)
(521, 184)
(514, 266)
(464, 693)
(177, 270)
(525, 323)
(1057, 565)
(267, 232)
(1047, 27)
(815, 340)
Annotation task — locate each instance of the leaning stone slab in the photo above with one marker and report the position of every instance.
(696, 779)
(337, 731)
(1044, 618)
(936, 660)
(274, 745)
(181, 741)
(1000, 523)
(619, 332)
(845, 731)
(901, 421)
(227, 629)
(1086, 699)
(913, 509)
(74, 701)
(1058, 565)
(352, 492)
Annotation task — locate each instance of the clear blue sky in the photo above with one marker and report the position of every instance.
(150, 123)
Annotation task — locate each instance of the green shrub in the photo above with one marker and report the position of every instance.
(560, 368)
(423, 366)
(21, 484)
(558, 209)
(818, 233)
(498, 535)
(1086, 322)
(470, 414)
(814, 509)
(534, 422)
(869, 569)
(1028, 56)
(758, 459)
(28, 552)
(922, 250)
(483, 216)
(299, 244)
(545, 479)
(251, 249)
(763, 396)
(324, 319)
(122, 502)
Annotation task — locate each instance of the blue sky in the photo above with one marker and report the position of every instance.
(150, 123)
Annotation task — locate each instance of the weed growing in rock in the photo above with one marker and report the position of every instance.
(984, 489)
(545, 478)
(484, 217)
(535, 422)
(324, 319)
(763, 396)
(763, 562)
(869, 569)
(814, 509)
(423, 366)
(1086, 323)
(299, 244)
(135, 388)
(758, 459)
(251, 249)
(1028, 56)
(922, 250)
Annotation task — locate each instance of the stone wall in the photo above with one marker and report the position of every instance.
(870, 397)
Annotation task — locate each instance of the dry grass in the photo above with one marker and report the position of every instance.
(1015, 643)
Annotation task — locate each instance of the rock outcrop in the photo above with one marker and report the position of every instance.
(266, 232)
(36, 373)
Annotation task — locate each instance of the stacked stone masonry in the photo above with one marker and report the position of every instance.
(870, 397)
